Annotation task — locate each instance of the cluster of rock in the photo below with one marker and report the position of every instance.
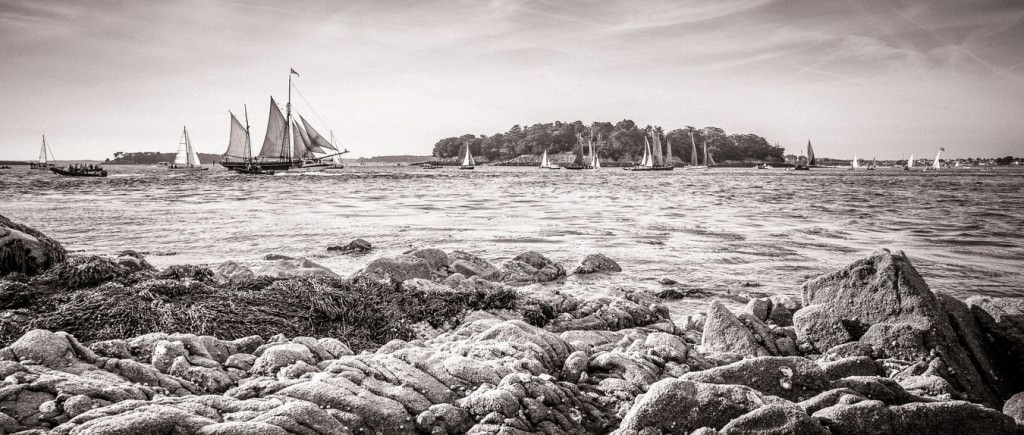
(867, 349)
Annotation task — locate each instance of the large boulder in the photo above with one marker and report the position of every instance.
(819, 328)
(724, 332)
(357, 246)
(1001, 326)
(232, 272)
(775, 419)
(881, 300)
(394, 270)
(470, 265)
(792, 378)
(597, 263)
(681, 406)
(1015, 408)
(436, 258)
(531, 266)
(931, 418)
(295, 268)
(281, 355)
(25, 250)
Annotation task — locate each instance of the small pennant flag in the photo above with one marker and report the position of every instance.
(293, 71)
(942, 149)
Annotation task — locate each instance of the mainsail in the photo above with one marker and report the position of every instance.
(693, 152)
(810, 155)
(936, 164)
(855, 164)
(468, 160)
(237, 150)
(910, 161)
(275, 144)
(186, 156)
(301, 142)
(656, 150)
(42, 151)
(668, 154)
(711, 161)
(647, 161)
(544, 160)
(578, 161)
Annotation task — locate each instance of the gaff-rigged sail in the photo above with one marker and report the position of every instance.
(810, 155)
(237, 151)
(668, 153)
(315, 139)
(656, 148)
(275, 144)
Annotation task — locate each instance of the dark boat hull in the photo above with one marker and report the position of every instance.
(578, 167)
(270, 166)
(59, 171)
(801, 168)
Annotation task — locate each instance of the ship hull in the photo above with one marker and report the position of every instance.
(59, 171)
(649, 168)
(269, 166)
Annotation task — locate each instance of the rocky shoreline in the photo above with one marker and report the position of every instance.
(445, 342)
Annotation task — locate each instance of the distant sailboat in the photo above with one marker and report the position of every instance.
(467, 162)
(653, 159)
(937, 164)
(693, 155)
(336, 162)
(872, 166)
(546, 164)
(910, 163)
(854, 164)
(800, 166)
(187, 159)
(578, 161)
(595, 163)
(45, 157)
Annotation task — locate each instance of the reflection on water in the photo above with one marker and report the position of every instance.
(725, 231)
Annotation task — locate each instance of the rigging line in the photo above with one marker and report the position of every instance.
(297, 91)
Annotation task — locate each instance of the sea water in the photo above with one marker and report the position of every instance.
(719, 233)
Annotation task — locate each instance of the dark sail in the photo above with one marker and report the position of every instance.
(578, 161)
(275, 144)
(656, 150)
(315, 139)
(810, 154)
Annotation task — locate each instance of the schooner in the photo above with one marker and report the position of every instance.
(290, 144)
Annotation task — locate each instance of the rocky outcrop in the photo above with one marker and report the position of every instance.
(357, 246)
(882, 301)
(293, 268)
(792, 378)
(1000, 323)
(470, 265)
(597, 263)
(529, 267)
(723, 332)
(394, 270)
(26, 250)
(681, 406)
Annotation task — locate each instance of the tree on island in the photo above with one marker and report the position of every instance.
(621, 141)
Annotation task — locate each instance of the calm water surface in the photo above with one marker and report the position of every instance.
(722, 231)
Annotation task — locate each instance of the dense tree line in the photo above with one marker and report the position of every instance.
(622, 141)
(152, 158)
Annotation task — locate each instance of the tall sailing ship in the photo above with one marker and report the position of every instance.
(186, 159)
(290, 144)
(45, 157)
(578, 161)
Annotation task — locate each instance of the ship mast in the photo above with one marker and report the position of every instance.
(288, 117)
(248, 146)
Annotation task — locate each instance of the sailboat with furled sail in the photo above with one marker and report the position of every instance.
(186, 160)
(805, 166)
(289, 144)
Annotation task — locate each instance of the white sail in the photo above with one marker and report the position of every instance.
(693, 151)
(193, 156)
(181, 158)
(646, 161)
(468, 160)
(596, 163)
(935, 164)
(855, 164)
(910, 161)
(544, 160)
(655, 148)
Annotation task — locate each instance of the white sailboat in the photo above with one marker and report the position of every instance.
(594, 162)
(694, 164)
(937, 164)
(336, 163)
(910, 163)
(45, 157)
(546, 164)
(186, 159)
(854, 164)
(467, 162)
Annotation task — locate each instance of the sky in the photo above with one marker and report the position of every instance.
(872, 78)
